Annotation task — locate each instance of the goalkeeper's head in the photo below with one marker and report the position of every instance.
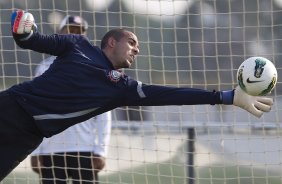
(73, 25)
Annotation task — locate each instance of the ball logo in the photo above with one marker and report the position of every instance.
(251, 81)
(114, 76)
(259, 67)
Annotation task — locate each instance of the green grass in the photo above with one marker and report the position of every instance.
(21, 178)
(173, 172)
(237, 174)
(165, 173)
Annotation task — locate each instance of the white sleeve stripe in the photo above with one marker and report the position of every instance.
(64, 116)
(139, 90)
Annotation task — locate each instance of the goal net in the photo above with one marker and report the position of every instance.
(184, 43)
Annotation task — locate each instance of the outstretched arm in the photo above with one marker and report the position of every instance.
(152, 95)
(26, 36)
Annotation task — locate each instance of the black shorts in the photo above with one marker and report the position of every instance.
(19, 135)
(59, 168)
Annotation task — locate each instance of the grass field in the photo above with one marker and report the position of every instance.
(167, 173)
(235, 166)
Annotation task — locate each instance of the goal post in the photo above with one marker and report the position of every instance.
(184, 43)
(190, 155)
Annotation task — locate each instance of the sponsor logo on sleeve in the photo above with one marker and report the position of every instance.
(115, 76)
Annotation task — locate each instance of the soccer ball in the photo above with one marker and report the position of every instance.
(257, 76)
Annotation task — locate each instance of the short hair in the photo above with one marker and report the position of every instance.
(117, 34)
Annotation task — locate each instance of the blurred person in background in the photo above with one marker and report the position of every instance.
(79, 152)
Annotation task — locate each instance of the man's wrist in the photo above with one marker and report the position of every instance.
(227, 97)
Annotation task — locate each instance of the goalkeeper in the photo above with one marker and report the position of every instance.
(84, 81)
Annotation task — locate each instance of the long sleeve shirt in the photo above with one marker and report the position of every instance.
(92, 135)
(82, 83)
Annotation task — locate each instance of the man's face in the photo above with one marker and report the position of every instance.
(125, 50)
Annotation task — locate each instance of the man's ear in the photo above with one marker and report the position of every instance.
(111, 42)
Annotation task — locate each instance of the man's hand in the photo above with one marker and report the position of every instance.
(23, 24)
(255, 105)
(98, 162)
(36, 162)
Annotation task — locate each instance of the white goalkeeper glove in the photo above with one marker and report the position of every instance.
(255, 105)
(23, 24)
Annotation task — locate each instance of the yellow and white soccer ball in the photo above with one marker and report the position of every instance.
(257, 76)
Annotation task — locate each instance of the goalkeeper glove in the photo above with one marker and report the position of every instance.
(23, 25)
(255, 105)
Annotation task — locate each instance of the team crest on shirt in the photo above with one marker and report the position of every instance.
(114, 75)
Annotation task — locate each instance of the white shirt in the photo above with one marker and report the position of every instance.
(92, 135)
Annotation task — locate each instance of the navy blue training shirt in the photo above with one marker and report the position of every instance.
(82, 83)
